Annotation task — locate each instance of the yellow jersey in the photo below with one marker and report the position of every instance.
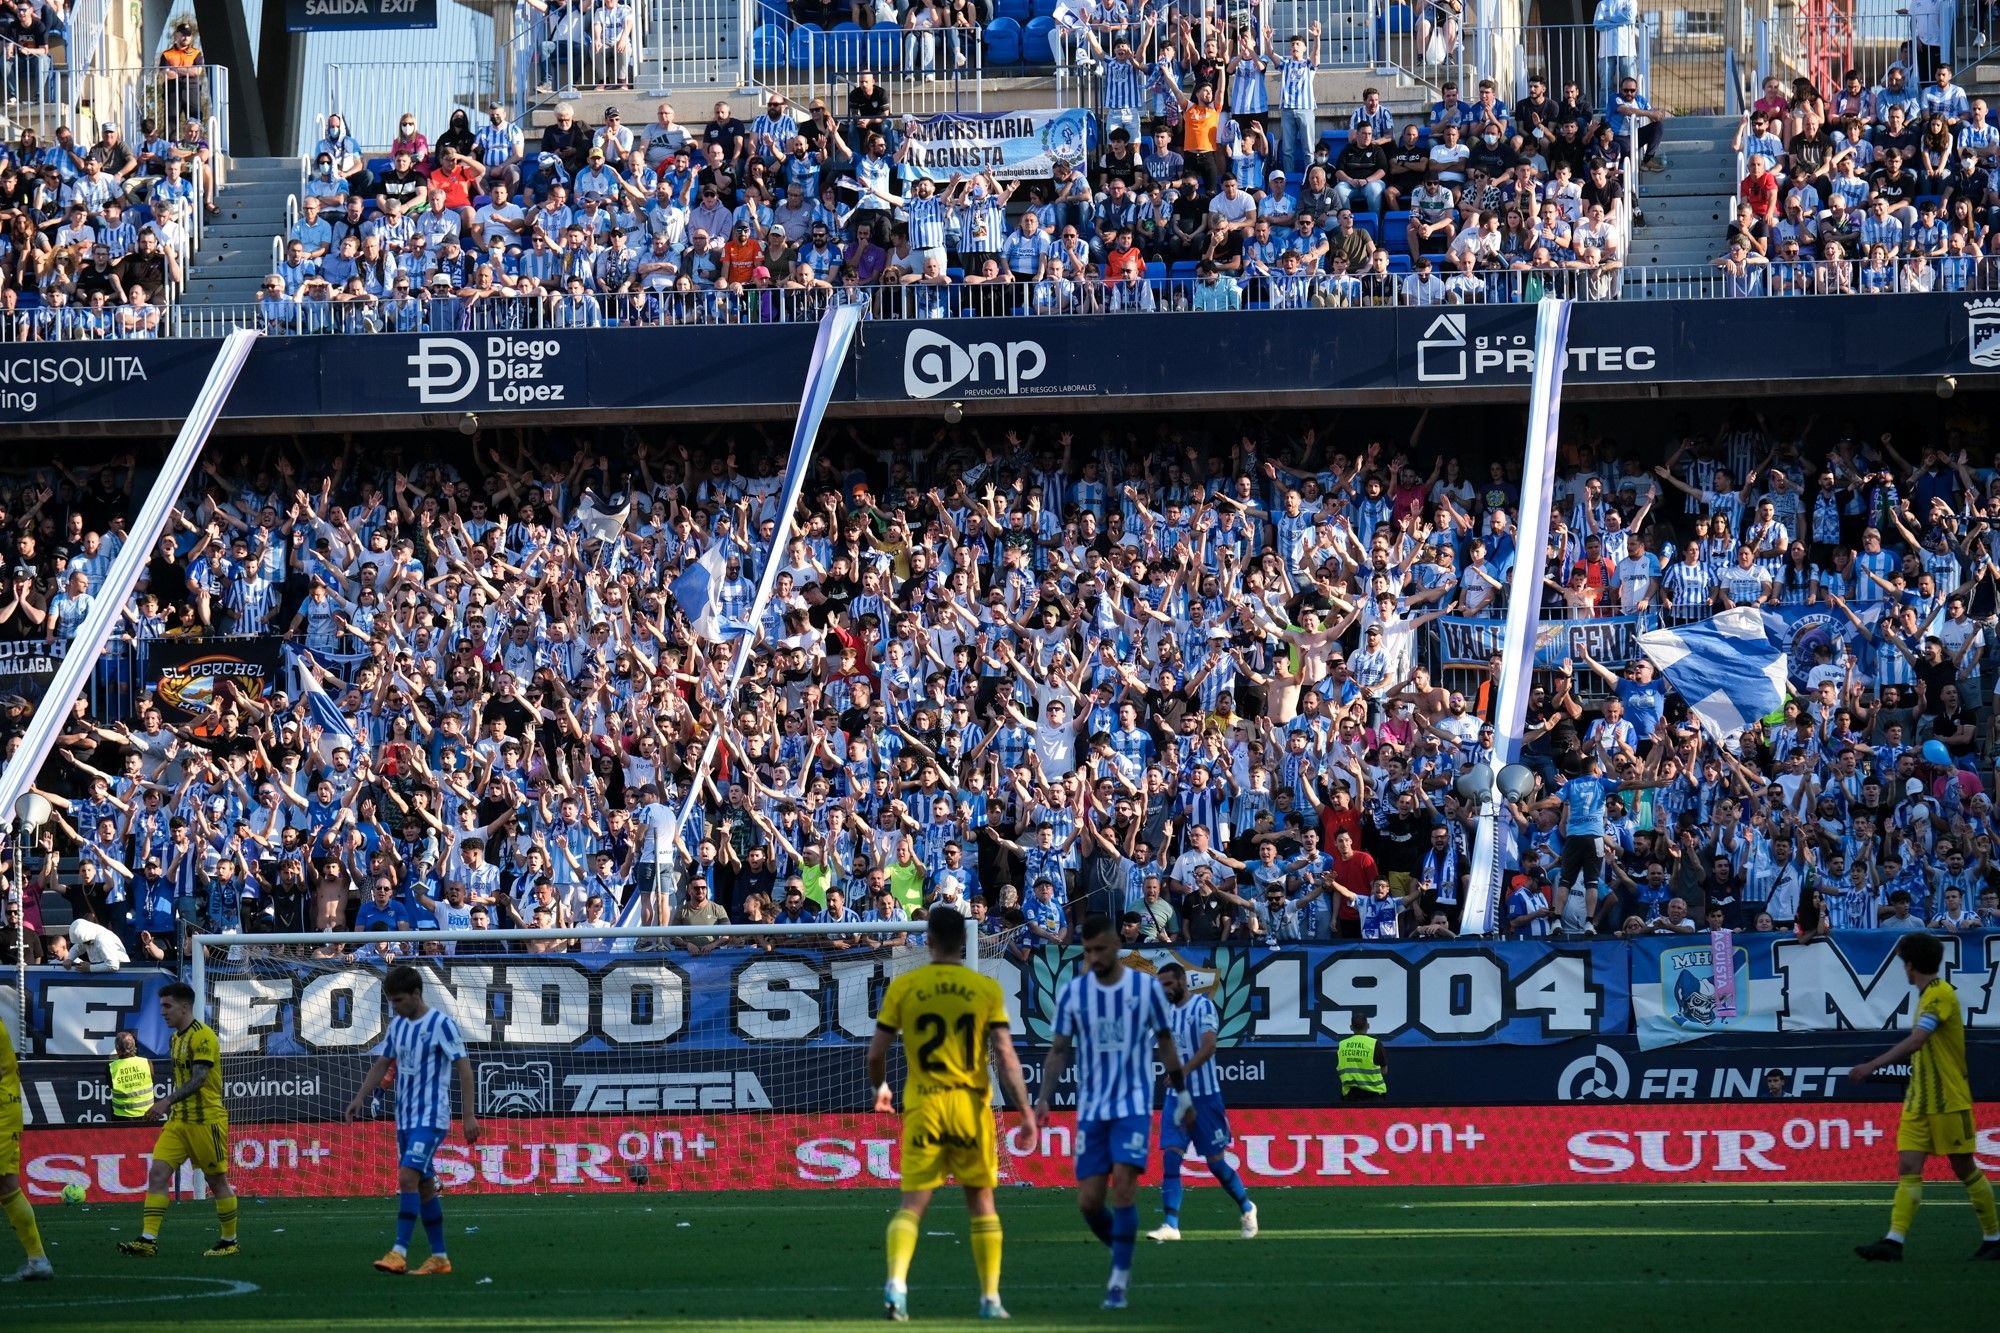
(10, 1070)
(196, 1045)
(1938, 1081)
(944, 1012)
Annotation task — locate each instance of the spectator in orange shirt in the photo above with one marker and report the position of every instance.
(1125, 275)
(1200, 120)
(741, 258)
(457, 175)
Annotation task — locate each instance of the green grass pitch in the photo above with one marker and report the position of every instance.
(1606, 1258)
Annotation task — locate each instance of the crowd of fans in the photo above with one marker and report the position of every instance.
(1176, 671)
(1888, 189)
(1218, 184)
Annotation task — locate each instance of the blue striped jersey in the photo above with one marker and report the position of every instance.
(425, 1051)
(927, 219)
(1193, 1017)
(1124, 85)
(1296, 84)
(1111, 1030)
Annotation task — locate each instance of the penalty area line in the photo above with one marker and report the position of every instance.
(222, 1287)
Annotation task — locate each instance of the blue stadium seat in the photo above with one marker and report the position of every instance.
(1035, 42)
(808, 47)
(770, 46)
(1399, 264)
(774, 13)
(846, 47)
(1185, 270)
(885, 47)
(1003, 42)
(1365, 221)
(377, 165)
(1018, 10)
(1042, 9)
(1395, 19)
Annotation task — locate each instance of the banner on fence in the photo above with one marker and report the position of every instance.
(187, 676)
(1612, 640)
(27, 667)
(1007, 143)
(1360, 1145)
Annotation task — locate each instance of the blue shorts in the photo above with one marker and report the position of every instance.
(414, 1148)
(1211, 1137)
(1101, 1143)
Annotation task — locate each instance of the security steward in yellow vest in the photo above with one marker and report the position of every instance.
(1361, 1061)
(131, 1080)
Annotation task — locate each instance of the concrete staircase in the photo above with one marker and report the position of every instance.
(1687, 207)
(236, 247)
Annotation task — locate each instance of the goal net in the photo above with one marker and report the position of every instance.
(613, 1059)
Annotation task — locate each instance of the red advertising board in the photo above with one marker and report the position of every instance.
(1318, 1146)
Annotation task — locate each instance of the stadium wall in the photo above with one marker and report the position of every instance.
(1294, 358)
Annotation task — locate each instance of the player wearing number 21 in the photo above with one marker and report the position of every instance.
(196, 1129)
(1115, 1020)
(948, 1017)
(428, 1054)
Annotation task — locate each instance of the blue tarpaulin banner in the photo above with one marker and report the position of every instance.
(1612, 640)
(1006, 143)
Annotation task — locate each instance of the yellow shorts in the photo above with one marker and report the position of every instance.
(10, 1138)
(206, 1145)
(950, 1135)
(1945, 1134)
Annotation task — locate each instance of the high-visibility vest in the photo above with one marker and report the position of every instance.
(131, 1087)
(1359, 1071)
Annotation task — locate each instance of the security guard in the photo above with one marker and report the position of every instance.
(1361, 1060)
(131, 1080)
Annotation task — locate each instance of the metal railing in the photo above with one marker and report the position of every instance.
(371, 96)
(168, 97)
(694, 43)
(1004, 298)
(924, 73)
(541, 61)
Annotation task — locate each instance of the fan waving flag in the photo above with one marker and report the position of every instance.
(699, 591)
(1725, 667)
(334, 728)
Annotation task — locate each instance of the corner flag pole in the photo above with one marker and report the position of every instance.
(108, 607)
(1481, 915)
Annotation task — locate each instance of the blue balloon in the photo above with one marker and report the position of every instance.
(1935, 753)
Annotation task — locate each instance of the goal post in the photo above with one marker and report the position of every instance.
(604, 1058)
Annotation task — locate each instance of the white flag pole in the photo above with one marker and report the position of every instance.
(1482, 915)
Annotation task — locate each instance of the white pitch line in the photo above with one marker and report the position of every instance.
(228, 1287)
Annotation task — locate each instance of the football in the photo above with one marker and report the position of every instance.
(639, 1175)
(74, 1193)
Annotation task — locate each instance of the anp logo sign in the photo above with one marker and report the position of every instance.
(934, 364)
(511, 371)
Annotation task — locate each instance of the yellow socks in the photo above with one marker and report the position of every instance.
(986, 1254)
(225, 1213)
(152, 1215)
(1980, 1190)
(902, 1245)
(1909, 1193)
(21, 1216)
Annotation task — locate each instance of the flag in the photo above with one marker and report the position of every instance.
(598, 523)
(334, 728)
(698, 589)
(1725, 667)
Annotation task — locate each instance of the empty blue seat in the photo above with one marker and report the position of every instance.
(1003, 42)
(770, 46)
(846, 45)
(1018, 10)
(1042, 9)
(1395, 19)
(1035, 41)
(884, 47)
(808, 47)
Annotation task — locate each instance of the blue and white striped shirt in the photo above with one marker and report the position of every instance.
(1111, 1028)
(1296, 85)
(927, 219)
(425, 1051)
(1191, 1018)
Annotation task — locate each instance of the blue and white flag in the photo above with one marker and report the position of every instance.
(334, 728)
(698, 589)
(1726, 667)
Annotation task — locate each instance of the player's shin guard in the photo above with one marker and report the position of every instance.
(407, 1204)
(433, 1215)
(1909, 1193)
(1225, 1176)
(986, 1254)
(1980, 1190)
(1124, 1232)
(151, 1215)
(21, 1217)
(225, 1215)
(901, 1243)
(1171, 1187)
(1099, 1222)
